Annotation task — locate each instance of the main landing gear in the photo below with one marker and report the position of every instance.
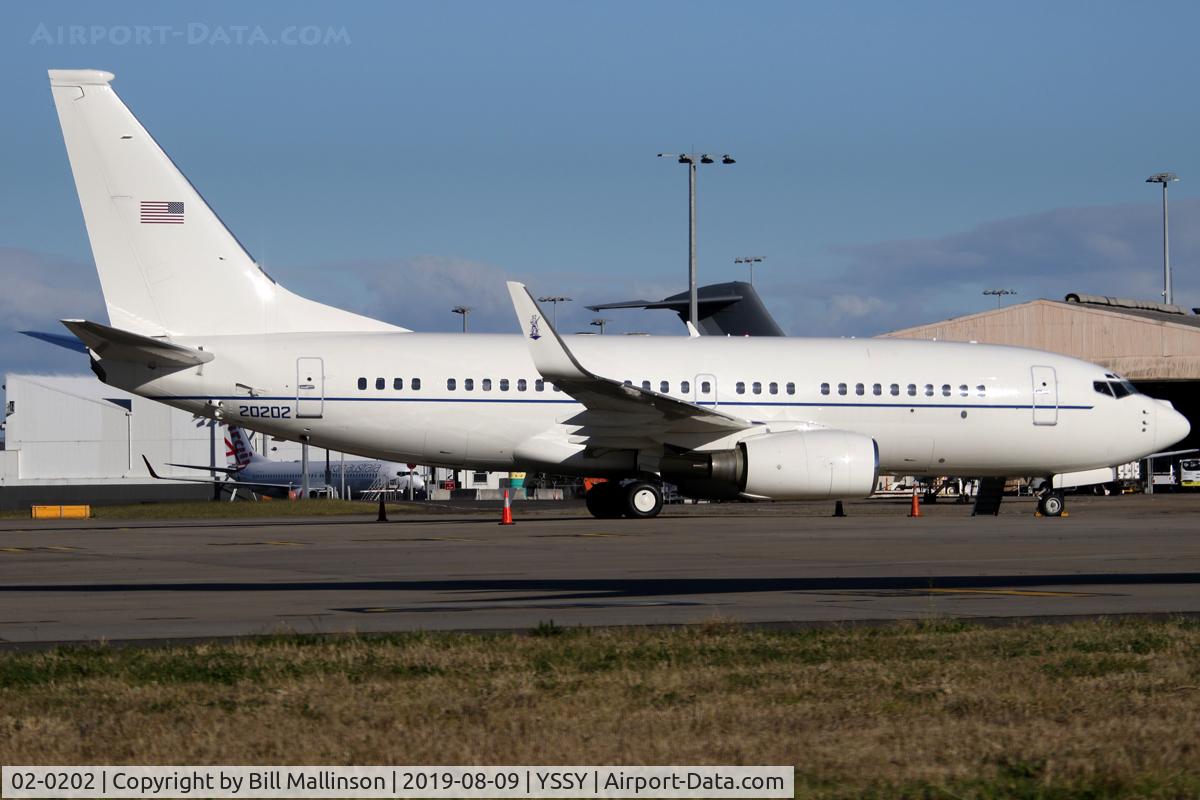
(1052, 503)
(636, 500)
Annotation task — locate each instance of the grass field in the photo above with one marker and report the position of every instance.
(939, 710)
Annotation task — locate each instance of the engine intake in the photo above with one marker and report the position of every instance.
(794, 465)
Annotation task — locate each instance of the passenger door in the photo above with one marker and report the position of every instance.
(1045, 396)
(310, 387)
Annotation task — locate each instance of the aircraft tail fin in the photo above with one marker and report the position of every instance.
(167, 263)
(240, 448)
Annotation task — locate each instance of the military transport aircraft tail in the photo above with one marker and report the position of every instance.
(168, 265)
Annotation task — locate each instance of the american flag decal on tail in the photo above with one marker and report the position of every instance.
(168, 212)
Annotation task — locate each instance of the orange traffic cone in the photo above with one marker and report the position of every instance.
(506, 516)
(916, 504)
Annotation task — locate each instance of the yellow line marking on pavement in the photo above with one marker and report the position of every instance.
(1012, 592)
(604, 535)
(13, 550)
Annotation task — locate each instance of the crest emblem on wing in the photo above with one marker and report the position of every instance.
(534, 329)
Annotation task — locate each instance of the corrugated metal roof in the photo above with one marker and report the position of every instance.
(1152, 311)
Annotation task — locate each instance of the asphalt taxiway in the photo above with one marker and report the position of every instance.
(105, 580)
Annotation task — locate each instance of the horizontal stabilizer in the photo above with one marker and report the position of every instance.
(119, 345)
(69, 342)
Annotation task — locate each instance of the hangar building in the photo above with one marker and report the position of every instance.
(1154, 345)
(72, 439)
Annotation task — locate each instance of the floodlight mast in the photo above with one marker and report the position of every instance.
(692, 159)
(555, 299)
(1164, 178)
(751, 261)
(1000, 294)
(464, 310)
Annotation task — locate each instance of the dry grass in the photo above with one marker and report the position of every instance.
(1088, 710)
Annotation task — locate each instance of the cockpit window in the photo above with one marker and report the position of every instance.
(1117, 387)
(1122, 388)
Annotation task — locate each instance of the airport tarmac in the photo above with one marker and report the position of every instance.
(777, 563)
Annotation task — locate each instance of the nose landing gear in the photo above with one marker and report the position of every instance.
(1052, 503)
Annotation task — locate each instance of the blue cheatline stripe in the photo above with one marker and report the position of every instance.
(292, 398)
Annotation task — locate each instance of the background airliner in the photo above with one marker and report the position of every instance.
(195, 323)
(249, 470)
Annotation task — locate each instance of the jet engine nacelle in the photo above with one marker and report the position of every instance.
(794, 465)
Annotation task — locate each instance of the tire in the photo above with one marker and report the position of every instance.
(604, 500)
(642, 500)
(1052, 504)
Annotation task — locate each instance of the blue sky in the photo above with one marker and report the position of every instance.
(894, 159)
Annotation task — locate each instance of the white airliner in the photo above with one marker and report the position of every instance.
(195, 323)
(259, 474)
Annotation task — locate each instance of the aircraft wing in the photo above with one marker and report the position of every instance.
(234, 484)
(206, 468)
(618, 414)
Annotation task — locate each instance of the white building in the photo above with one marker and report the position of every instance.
(71, 438)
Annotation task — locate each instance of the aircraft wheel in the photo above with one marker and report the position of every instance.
(1052, 504)
(642, 500)
(604, 500)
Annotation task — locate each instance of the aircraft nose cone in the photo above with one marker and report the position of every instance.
(1171, 427)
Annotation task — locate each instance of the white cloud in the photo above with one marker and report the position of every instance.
(881, 286)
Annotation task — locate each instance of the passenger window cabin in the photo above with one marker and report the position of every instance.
(380, 383)
(362, 384)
